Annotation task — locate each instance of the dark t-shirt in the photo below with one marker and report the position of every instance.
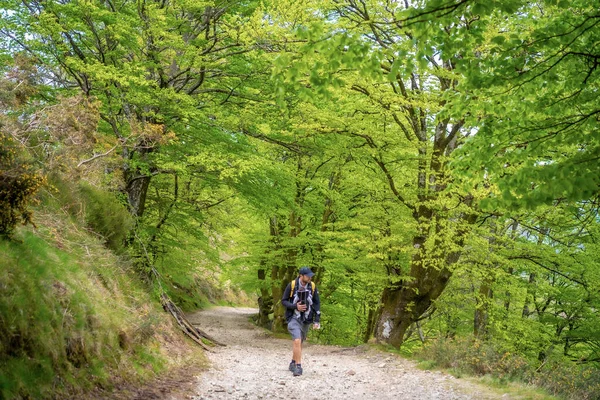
(302, 296)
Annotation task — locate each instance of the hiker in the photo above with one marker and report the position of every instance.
(302, 308)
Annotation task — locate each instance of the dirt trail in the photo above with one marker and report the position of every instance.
(255, 366)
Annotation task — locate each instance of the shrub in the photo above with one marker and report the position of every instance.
(105, 215)
(569, 380)
(475, 357)
(18, 184)
(559, 375)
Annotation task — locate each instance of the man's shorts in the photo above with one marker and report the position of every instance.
(297, 329)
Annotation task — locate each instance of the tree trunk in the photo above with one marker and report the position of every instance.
(137, 188)
(530, 295)
(328, 214)
(532, 277)
(265, 302)
(280, 277)
(372, 318)
(480, 319)
(507, 293)
(276, 293)
(283, 272)
(404, 303)
(403, 307)
(137, 181)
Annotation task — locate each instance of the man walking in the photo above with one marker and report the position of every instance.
(302, 308)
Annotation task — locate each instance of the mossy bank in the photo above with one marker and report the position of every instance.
(74, 315)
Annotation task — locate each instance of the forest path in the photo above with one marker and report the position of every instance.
(254, 365)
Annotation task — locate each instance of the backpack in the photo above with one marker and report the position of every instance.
(293, 283)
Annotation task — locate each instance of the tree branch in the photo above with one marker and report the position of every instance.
(392, 184)
(294, 147)
(95, 156)
(533, 260)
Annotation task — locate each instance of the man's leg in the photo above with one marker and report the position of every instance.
(297, 351)
(295, 329)
(297, 348)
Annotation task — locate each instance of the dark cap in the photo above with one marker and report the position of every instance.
(306, 271)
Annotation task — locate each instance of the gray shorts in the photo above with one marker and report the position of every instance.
(297, 329)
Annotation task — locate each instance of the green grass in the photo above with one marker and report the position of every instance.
(73, 316)
(514, 389)
(426, 365)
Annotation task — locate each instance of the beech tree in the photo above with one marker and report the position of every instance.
(399, 112)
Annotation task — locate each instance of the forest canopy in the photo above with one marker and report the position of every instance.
(436, 163)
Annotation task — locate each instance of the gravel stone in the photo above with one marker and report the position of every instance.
(254, 365)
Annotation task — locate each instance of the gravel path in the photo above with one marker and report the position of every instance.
(254, 365)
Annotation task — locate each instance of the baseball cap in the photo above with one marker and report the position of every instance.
(306, 271)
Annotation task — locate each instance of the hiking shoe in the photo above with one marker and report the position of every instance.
(297, 371)
(292, 366)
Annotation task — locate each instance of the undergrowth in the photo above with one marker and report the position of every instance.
(472, 357)
(74, 316)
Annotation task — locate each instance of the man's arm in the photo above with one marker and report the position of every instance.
(285, 299)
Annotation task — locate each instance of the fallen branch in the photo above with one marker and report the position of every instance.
(194, 333)
(168, 306)
(208, 337)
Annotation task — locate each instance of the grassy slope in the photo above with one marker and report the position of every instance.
(74, 317)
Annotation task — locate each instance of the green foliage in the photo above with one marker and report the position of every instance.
(19, 182)
(474, 357)
(63, 316)
(439, 170)
(339, 325)
(105, 215)
(527, 281)
(533, 90)
(562, 378)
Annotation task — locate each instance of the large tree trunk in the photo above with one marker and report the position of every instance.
(430, 271)
(278, 309)
(405, 302)
(280, 278)
(282, 274)
(403, 305)
(267, 301)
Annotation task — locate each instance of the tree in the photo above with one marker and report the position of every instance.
(405, 113)
(160, 69)
(534, 77)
